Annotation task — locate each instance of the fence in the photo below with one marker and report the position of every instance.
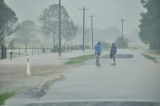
(20, 52)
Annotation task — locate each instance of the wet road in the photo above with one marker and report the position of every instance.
(134, 80)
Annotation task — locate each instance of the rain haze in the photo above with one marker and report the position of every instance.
(79, 53)
(108, 12)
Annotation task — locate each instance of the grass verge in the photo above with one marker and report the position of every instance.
(4, 96)
(80, 59)
(150, 58)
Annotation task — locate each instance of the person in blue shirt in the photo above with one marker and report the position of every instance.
(113, 52)
(98, 50)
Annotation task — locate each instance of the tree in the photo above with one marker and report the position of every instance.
(122, 42)
(11, 44)
(7, 20)
(26, 32)
(50, 21)
(87, 37)
(150, 23)
(69, 30)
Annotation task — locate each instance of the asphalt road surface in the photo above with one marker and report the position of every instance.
(132, 82)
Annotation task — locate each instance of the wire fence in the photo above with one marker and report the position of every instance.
(20, 52)
(8, 53)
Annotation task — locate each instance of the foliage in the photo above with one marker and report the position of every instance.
(5, 96)
(150, 58)
(11, 44)
(50, 22)
(150, 23)
(7, 20)
(26, 32)
(121, 42)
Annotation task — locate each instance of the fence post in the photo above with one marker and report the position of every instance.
(11, 55)
(28, 66)
(26, 51)
(2, 51)
(46, 50)
(19, 52)
(32, 51)
(38, 51)
(5, 52)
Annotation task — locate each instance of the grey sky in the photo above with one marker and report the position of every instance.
(108, 12)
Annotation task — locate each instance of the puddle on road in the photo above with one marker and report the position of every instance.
(120, 56)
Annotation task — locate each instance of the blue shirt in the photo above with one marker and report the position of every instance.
(98, 49)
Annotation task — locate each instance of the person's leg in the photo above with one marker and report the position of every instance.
(98, 59)
(114, 60)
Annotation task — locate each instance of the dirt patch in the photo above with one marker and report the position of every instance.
(14, 78)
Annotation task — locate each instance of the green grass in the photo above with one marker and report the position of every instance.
(4, 96)
(80, 59)
(150, 58)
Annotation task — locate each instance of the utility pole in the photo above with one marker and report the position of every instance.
(84, 12)
(122, 20)
(92, 29)
(59, 28)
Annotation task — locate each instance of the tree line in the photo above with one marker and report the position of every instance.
(150, 23)
(30, 34)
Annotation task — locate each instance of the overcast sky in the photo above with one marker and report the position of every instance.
(108, 12)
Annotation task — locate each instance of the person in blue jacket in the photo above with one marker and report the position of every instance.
(113, 52)
(98, 50)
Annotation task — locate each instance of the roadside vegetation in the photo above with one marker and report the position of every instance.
(4, 96)
(80, 59)
(150, 58)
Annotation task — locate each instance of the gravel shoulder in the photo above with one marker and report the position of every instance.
(14, 78)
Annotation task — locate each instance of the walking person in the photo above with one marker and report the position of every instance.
(113, 52)
(98, 51)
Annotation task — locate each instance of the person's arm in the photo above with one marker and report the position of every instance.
(116, 49)
(100, 50)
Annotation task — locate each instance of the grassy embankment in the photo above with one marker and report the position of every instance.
(80, 59)
(4, 96)
(150, 58)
